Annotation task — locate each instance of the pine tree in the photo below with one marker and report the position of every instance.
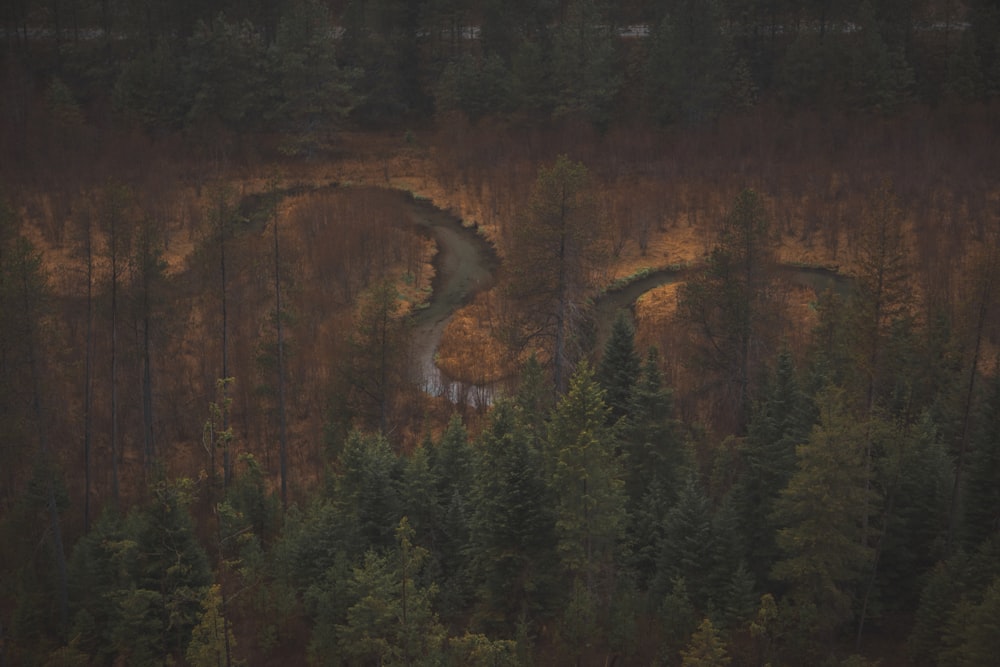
(212, 639)
(731, 307)
(585, 69)
(557, 249)
(689, 61)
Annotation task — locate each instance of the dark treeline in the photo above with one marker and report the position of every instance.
(298, 66)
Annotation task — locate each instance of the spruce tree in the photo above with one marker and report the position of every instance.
(780, 422)
(369, 488)
(586, 480)
(512, 543)
(687, 548)
(618, 372)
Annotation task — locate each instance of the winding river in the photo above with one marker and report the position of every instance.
(465, 264)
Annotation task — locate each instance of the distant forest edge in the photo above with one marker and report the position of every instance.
(304, 67)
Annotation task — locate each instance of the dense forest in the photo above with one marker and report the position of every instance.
(497, 332)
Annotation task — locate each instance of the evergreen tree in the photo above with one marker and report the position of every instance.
(513, 526)
(653, 448)
(586, 481)
(618, 372)
(150, 574)
(688, 548)
(706, 648)
(556, 251)
(212, 639)
(690, 61)
(884, 80)
(225, 67)
(780, 422)
(822, 511)
(375, 363)
(391, 620)
(369, 488)
(314, 92)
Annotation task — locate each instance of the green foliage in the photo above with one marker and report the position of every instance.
(781, 420)
(678, 619)
(226, 74)
(578, 627)
(822, 511)
(512, 542)
(313, 92)
(690, 65)
(476, 650)
(369, 488)
(650, 436)
(619, 369)
(982, 490)
(392, 620)
(138, 584)
(152, 88)
(687, 548)
(586, 479)
(212, 639)
(475, 86)
(883, 79)
(374, 364)
(706, 648)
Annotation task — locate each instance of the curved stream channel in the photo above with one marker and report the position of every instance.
(465, 264)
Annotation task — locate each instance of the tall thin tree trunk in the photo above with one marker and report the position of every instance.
(223, 220)
(562, 289)
(88, 397)
(985, 299)
(147, 392)
(282, 424)
(114, 362)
